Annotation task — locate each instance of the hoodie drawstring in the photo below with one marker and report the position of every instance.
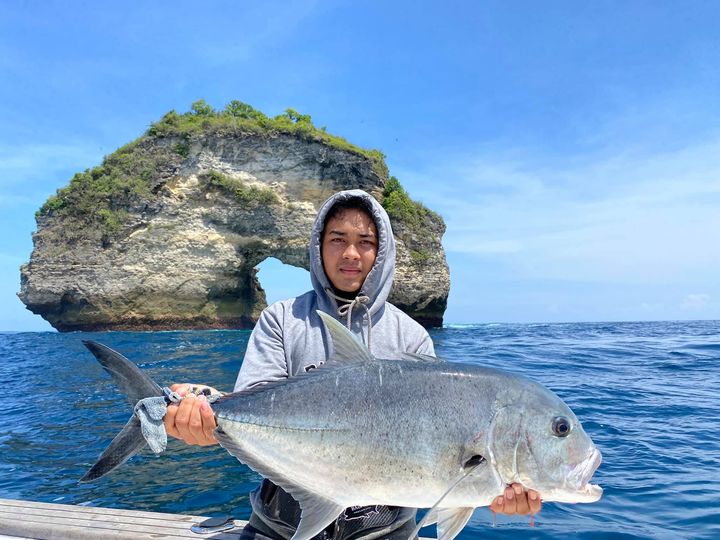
(349, 305)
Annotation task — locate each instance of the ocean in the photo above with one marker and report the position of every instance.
(646, 393)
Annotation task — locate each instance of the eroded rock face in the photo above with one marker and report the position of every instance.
(182, 253)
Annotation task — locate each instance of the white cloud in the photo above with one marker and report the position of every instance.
(695, 302)
(636, 217)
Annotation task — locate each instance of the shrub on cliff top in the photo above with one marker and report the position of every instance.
(96, 199)
(400, 206)
(241, 110)
(243, 118)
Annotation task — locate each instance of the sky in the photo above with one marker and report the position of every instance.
(573, 148)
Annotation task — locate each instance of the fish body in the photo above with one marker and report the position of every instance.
(415, 432)
(375, 432)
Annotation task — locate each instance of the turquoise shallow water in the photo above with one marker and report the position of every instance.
(647, 393)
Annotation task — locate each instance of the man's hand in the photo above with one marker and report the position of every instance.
(516, 500)
(193, 420)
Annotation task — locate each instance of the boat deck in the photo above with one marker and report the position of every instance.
(27, 519)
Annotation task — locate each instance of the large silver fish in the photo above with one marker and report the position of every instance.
(416, 432)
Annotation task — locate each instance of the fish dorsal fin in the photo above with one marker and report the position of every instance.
(346, 347)
(416, 357)
(450, 521)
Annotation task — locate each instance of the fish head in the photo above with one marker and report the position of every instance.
(538, 442)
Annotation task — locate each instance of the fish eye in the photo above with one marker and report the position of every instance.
(561, 426)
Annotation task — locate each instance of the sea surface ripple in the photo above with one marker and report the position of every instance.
(646, 392)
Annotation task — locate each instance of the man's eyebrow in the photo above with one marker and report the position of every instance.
(342, 233)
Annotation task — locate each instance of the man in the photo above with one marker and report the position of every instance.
(352, 263)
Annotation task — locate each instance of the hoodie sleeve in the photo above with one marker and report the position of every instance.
(265, 358)
(426, 346)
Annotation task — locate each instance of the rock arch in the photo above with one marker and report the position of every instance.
(186, 218)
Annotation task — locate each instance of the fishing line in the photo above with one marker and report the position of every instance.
(474, 462)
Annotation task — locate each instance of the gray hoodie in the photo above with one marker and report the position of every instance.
(290, 338)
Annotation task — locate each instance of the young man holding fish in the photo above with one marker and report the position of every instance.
(352, 259)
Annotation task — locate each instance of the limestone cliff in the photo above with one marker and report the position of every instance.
(167, 232)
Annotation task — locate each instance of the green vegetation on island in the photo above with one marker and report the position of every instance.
(248, 195)
(239, 117)
(400, 206)
(98, 203)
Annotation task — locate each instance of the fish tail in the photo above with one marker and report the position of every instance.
(136, 385)
(125, 445)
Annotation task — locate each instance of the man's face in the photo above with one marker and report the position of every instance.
(349, 247)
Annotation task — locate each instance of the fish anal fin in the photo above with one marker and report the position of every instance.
(450, 521)
(346, 347)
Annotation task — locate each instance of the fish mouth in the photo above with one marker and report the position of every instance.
(581, 475)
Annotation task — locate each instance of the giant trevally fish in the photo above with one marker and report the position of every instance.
(415, 432)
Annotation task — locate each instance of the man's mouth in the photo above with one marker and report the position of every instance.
(350, 270)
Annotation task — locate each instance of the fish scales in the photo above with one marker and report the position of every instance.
(344, 433)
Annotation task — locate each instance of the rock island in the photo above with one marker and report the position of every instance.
(167, 232)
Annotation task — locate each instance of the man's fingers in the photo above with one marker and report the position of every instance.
(182, 419)
(510, 505)
(521, 502)
(515, 500)
(195, 422)
(498, 505)
(169, 421)
(534, 501)
(191, 420)
(208, 422)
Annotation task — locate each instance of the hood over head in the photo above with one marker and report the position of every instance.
(379, 280)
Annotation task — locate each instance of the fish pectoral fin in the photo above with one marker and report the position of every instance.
(346, 347)
(317, 513)
(450, 521)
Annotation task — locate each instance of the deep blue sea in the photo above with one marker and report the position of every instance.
(647, 394)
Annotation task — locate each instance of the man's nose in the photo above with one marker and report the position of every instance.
(351, 252)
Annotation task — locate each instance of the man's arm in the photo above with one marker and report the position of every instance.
(426, 346)
(193, 420)
(264, 359)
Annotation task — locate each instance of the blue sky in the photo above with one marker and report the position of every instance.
(572, 148)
